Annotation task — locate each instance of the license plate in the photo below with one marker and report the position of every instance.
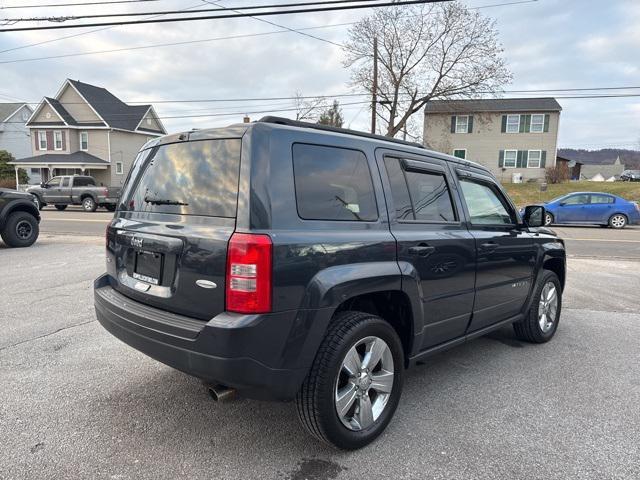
(148, 267)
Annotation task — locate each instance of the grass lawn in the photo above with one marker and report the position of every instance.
(528, 193)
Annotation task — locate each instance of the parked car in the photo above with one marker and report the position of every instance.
(19, 218)
(592, 207)
(630, 176)
(75, 190)
(318, 265)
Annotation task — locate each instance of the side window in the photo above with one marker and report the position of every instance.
(576, 200)
(66, 181)
(421, 196)
(80, 182)
(601, 199)
(484, 205)
(333, 184)
(54, 182)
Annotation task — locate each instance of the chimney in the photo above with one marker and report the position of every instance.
(246, 119)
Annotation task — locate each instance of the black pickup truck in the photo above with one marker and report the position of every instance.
(75, 190)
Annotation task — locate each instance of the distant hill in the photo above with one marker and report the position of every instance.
(630, 158)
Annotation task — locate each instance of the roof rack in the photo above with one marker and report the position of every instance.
(327, 128)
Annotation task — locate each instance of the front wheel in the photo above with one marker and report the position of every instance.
(355, 382)
(541, 322)
(20, 230)
(89, 204)
(618, 221)
(548, 219)
(61, 207)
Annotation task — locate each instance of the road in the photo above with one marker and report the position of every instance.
(77, 403)
(588, 241)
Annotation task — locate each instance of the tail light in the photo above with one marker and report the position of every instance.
(248, 279)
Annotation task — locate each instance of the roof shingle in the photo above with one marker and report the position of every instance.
(493, 105)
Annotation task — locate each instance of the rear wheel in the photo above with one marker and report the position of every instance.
(541, 322)
(20, 230)
(355, 382)
(618, 221)
(61, 207)
(89, 204)
(548, 218)
(111, 208)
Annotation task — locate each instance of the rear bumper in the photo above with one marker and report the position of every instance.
(262, 356)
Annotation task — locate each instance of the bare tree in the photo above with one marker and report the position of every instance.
(308, 108)
(425, 52)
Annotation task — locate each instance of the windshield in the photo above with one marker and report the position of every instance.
(190, 178)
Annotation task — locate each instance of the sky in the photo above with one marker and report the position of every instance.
(549, 44)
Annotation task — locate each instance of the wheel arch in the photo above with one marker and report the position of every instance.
(18, 206)
(378, 288)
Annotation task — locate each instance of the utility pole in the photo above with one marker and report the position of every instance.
(374, 90)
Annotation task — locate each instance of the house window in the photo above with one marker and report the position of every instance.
(119, 168)
(513, 123)
(534, 157)
(460, 153)
(510, 158)
(462, 124)
(57, 137)
(537, 123)
(42, 140)
(84, 141)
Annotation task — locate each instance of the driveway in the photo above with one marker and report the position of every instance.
(77, 403)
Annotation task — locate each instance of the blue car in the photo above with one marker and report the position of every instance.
(592, 207)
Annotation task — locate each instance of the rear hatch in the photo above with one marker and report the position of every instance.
(175, 217)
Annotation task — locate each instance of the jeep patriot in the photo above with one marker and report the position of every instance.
(286, 260)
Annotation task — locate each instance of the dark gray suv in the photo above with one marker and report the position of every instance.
(286, 260)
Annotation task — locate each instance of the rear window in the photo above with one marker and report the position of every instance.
(190, 178)
(333, 184)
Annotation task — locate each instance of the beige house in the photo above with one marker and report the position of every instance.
(87, 130)
(509, 136)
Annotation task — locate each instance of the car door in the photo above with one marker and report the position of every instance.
(433, 244)
(64, 192)
(573, 209)
(506, 253)
(600, 208)
(51, 192)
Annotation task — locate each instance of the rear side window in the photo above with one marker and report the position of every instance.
(190, 178)
(601, 199)
(421, 196)
(333, 184)
(83, 182)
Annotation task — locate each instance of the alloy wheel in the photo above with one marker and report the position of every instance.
(24, 230)
(618, 221)
(548, 307)
(364, 383)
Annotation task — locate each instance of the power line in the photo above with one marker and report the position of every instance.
(171, 44)
(65, 18)
(188, 42)
(398, 3)
(73, 35)
(75, 4)
(353, 94)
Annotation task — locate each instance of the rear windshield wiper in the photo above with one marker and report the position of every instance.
(163, 201)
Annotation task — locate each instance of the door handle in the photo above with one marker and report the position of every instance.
(489, 246)
(422, 250)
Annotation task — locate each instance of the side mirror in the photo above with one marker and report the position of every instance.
(43, 185)
(534, 216)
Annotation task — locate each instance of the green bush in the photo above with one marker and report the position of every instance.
(8, 172)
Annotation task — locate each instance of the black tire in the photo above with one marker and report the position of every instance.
(548, 219)
(618, 221)
(20, 230)
(89, 204)
(61, 207)
(530, 329)
(316, 399)
(111, 208)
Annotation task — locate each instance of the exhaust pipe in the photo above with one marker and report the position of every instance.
(221, 393)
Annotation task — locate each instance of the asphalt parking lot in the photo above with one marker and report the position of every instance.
(77, 403)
